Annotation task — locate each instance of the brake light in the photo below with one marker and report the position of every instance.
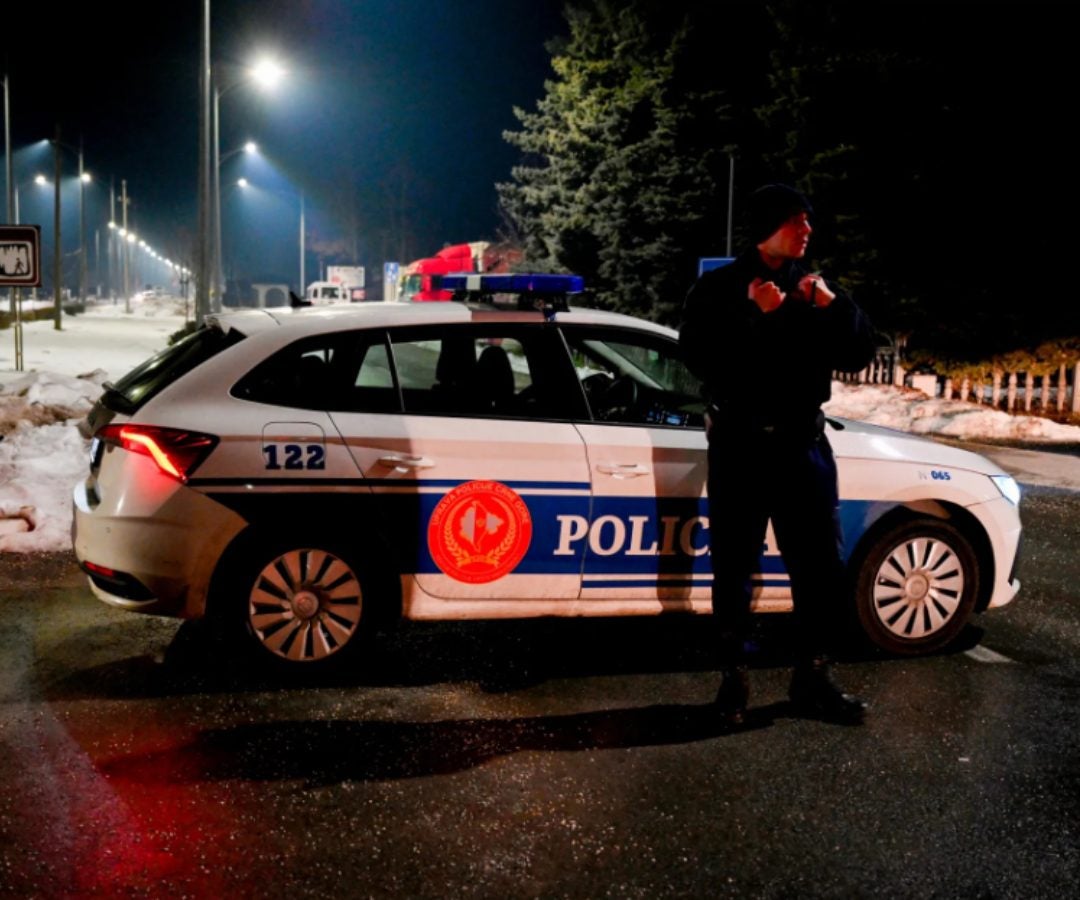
(176, 451)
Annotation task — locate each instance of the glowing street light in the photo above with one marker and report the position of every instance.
(250, 147)
(266, 74)
(244, 183)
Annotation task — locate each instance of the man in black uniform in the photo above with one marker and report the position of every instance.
(764, 336)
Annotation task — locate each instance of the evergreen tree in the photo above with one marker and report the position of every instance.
(836, 127)
(621, 159)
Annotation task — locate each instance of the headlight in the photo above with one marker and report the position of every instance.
(1010, 490)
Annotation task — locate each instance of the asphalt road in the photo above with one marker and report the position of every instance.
(537, 759)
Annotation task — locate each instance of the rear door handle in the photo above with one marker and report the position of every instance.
(622, 470)
(406, 462)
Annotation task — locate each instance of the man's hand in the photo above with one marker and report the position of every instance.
(765, 294)
(814, 289)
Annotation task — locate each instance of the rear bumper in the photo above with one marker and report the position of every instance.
(160, 561)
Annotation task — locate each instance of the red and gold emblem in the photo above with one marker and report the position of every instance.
(479, 531)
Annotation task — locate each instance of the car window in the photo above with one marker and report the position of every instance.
(635, 378)
(347, 372)
(162, 369)
(485, 370)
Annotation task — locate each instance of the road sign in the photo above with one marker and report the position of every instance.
(20, 255)
(391, 273)
(707, 263)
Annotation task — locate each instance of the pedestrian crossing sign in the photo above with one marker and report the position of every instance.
(20, 255)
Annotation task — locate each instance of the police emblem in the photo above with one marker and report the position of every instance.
(479, 532)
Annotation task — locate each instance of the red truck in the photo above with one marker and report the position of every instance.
(418, 284)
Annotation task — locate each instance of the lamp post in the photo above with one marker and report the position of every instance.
(125, 253)
(57, 312)
(265, 73)
(10, 184)
(244, 183)
(218, 267)
(84, 177)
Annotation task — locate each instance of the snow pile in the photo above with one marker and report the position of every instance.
(39, 467)
(912, 411)
(41, 398)
(42, 456)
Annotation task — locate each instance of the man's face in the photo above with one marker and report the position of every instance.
(790, 239)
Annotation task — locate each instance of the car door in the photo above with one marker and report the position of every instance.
(648, 536)
(477, 462)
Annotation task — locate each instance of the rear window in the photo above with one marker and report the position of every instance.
(162, 369)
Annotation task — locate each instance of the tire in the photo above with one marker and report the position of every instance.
(303, 605)
(915, 587)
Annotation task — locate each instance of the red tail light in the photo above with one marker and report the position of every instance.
(177, 452)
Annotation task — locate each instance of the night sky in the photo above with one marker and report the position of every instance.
(393, 112)
(398, 105)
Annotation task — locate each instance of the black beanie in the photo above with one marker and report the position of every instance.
(770, 207)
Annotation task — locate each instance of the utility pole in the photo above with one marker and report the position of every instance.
(82, 226)
(730, 197)
(205, 256)
(57, 256)
(114, 258)
(124, 243)
(9, 191)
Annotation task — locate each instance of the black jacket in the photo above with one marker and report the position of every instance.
(769, 369)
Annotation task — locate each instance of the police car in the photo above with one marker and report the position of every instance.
(302, 474)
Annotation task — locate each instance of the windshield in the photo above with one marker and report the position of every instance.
(162, 369)
(411, 286)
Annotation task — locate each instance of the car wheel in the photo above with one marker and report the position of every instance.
(916, 587)
(304, 605)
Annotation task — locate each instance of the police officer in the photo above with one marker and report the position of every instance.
(765, 335)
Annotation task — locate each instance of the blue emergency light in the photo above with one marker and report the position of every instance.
(545, 292)
(514, 283)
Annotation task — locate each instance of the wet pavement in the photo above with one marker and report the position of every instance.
(536, 759)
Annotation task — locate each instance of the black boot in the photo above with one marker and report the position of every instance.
(814, 695)
(733, 695)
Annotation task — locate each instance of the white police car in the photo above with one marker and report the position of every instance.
(301, 472)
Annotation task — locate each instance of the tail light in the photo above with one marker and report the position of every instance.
(176, 451)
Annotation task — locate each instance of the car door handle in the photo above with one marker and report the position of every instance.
(406, 462)
(622, 470)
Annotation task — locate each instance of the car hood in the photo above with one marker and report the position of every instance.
(859, 440)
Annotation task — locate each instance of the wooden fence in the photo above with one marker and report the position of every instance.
(1048, 394)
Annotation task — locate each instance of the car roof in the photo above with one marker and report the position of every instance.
(322, 319)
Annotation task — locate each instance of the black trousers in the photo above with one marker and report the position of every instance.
(792, 481)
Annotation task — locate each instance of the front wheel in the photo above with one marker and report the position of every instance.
(304, 605)
(916, 587)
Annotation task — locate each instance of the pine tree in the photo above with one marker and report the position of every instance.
(619, 181)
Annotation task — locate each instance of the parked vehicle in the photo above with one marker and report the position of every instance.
(298, 474)
(421, 280)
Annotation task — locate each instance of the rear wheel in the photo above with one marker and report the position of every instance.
(916, 587)
(303, 604)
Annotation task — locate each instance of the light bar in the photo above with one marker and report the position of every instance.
(514, 283)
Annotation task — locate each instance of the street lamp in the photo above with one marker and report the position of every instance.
(122, 244)
(84, 177)
(84, 180)
(219, 275)
(244, 183)
(266, 74)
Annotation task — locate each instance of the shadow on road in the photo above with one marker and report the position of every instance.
(327, 752)
(497, 656)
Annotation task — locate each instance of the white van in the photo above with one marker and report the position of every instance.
(321, 293)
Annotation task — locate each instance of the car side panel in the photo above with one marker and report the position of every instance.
(414, 463)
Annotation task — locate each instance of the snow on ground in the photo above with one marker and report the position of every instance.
(42, 455)
(913, 411)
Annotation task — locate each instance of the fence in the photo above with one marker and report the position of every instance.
(1044, 394)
